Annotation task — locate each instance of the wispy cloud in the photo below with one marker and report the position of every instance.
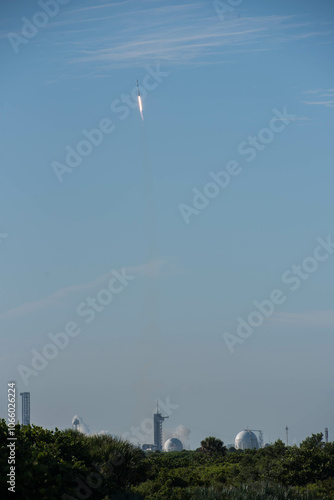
(294, 119)
(327, 104)
(320, 319)
(154, 269)
(127, 33)
(319, 91)
(101, 6)
(302, 36)
(319, 95)
(181, 33)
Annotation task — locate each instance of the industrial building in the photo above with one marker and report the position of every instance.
(25, 408)
(173, 444)
(157, 423)
(158, 420)
(246, 440)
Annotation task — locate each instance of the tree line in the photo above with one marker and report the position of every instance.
(67, 465)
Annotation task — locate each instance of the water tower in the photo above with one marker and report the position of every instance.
(75, 423)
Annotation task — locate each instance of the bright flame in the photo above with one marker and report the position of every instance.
(140, 104)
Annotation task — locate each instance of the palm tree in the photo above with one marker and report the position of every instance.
(212, 445)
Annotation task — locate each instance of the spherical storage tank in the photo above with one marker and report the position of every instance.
(173, 444)
(246, 440)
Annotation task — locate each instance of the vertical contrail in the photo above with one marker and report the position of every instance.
(146, 383)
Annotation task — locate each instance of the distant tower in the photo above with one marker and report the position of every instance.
(261, 439)
(157, 422)
(25, 408)
(75, 423)
(287, 435)
(326, 435)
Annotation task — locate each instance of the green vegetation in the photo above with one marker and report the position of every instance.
(53, 465)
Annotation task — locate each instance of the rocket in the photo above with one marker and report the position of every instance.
(140, 104)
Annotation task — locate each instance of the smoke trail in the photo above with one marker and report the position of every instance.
(146, 385)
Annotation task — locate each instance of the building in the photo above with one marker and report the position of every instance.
(173, 444)
(157, 426)
(25, 408)
(246, 440)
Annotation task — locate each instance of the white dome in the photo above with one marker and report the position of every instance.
(246, 440)
(173, 444)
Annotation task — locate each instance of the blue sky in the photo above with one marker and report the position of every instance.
(222, 77)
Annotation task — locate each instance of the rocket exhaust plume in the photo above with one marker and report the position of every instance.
(140, 104)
